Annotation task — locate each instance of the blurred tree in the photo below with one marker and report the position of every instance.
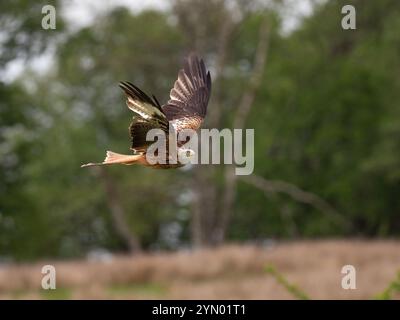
(21, 33)
(217, 35)
(328, 98)
(215, 24)
(322, 102)
(90, 64)
(21, 38)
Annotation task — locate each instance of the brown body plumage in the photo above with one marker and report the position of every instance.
(185, 109)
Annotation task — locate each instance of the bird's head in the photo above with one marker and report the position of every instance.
(185, 155)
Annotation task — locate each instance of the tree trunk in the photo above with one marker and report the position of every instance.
(118, 213)
(212, 205)
(242, 112)
(204, 205)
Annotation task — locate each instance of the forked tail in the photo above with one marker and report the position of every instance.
(113, 158)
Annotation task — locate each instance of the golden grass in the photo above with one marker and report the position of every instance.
(228, 272)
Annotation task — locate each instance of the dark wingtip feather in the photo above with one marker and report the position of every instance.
(157, 102)
(136, 93)
(209, 81)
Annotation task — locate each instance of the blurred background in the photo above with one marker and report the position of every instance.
(324, 104)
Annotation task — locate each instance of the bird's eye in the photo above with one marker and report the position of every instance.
(188, 153)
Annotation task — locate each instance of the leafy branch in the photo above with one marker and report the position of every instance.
(392, 288)
(296, 291)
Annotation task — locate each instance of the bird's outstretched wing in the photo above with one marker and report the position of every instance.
(140, 103)
(148, 116)
(189, 97)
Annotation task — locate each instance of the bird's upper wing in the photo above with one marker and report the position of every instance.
(148, 115)
(140, 103)
(189, 97)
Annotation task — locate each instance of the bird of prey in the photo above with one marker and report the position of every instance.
(185, 109)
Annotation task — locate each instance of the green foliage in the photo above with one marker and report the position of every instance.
(326, 119)
(58, 294)
(294, 290)
(393, 288)
(22, 34)
(323, 117)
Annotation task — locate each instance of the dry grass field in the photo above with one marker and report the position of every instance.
(229, 272)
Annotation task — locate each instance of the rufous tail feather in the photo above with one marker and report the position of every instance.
(113, 158)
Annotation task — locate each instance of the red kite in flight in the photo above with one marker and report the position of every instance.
(186, 109)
